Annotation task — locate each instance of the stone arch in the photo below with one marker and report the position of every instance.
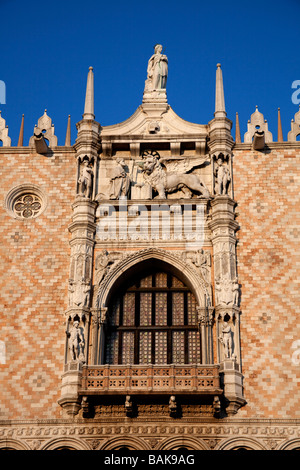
(175, 443)
(162, 258)
(13, 444)
(130, 442)
(240, 442)
(293, 444)
(68, 443)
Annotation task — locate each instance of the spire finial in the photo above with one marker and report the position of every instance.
(280, 136)
(21, 134)
(237, 129)
(68, 133)
(220, 101)
(89, 96)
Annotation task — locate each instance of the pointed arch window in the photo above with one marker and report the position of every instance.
(153, 320)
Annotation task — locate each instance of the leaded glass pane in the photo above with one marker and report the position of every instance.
(178, 347)
(161, 308)
(128, 347)
(176, 282)
(146, 281)
(115, 313)
(192, 310)
(194, 352)
(145, 347)
(145, 308)
(178, 308)
(161, 280)
(161, 347)
(112, 348)
(129, 309)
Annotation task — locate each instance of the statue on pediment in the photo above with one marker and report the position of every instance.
(157, 71)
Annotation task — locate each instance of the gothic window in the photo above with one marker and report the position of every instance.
(153, 320)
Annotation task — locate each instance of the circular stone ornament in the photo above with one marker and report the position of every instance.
(26, 201)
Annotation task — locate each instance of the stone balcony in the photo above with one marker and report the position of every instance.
(150, 379)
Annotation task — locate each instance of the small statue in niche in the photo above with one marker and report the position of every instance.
(157, 71)
(202, 260)
(236, 291)
(222, 175)
(120, 181)
(223, 288)
(101, 265)
(172, 405)
(226, 340)
(82, 294)
(71, 290)
(76, 342)
(128, 405)
(86, 180)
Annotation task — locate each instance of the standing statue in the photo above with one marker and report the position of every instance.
(76, 342)
(222, 175)
(120, 181)
(236, 291)
(157, 71)
(86, 180)
(226, 340)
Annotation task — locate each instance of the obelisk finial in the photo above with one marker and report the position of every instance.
(68, 133)
(220, 101)
(237, 130)
(21, 134)
(280, 136)
(89, 96)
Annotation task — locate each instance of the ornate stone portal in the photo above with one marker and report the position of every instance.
(153, 164)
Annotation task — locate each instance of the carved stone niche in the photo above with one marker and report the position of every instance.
(222, 174)
(227, 330)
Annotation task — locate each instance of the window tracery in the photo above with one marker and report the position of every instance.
(153, 320)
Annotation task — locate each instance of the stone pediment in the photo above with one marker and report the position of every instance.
(154, 120)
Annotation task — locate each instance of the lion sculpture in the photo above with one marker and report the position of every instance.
(165, 182)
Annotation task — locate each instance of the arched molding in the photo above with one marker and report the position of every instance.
(73, 444)
(290, 445)
(129, 442)
(13, 444)
(235, 443)
(151, 257)
(176, 443)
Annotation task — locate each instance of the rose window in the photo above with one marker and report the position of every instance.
(27, 206)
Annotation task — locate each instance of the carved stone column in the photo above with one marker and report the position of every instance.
(205, 321)
(223, 227)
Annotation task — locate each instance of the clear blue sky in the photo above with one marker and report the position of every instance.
(47, 48)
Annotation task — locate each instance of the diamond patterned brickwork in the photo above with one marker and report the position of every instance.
(33, 292)
(267, 191)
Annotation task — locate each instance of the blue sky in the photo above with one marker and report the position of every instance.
(47, 48)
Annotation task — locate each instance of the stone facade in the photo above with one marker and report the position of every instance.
(83, 227)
